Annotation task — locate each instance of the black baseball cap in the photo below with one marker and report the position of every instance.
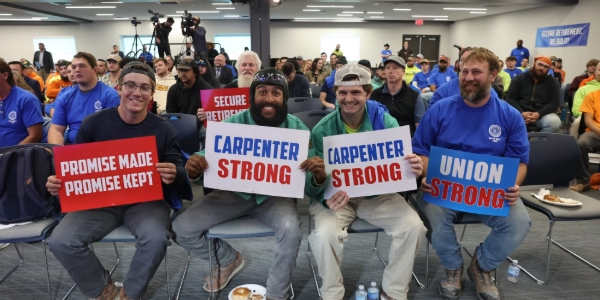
(186, 64)
(140, 68)
(341, 60)
(365, 62)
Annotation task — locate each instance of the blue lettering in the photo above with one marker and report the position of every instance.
(336, 156)
(329, 156)
(344, 153)
(247, 145)
(380, 146)
(294, 148)
(353, 153)
(283, 150)
(227, 145)
(217, 138)
(257, 143)
(372, 151)
(390, 151)
(399, 148)
(237, 145)
(363, 152)
(276, 148)
(266, 151)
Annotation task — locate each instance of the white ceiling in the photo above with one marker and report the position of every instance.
(288, 10)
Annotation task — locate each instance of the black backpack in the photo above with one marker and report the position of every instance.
(24, 171)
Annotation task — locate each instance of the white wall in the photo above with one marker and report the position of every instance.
(499, 33)
(287, 38)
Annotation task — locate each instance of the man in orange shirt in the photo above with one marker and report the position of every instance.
(53, 74)
(589, 141)
(59, 82)
(29, 72)
(558, 67)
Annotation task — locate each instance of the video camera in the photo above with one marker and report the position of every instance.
(187, 20)
(135, 22)
(154, 18)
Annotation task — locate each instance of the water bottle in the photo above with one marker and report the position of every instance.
(513, 271)
(373, 292)
(563, 114)
(361, 294)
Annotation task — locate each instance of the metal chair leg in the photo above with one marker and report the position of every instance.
(47, 271)
(185, 269)
(427, 265)
(312, 267)
(15, 267)
(210, 253)
(167, 275)
(538, 281)
(118, 259)
(292, 290)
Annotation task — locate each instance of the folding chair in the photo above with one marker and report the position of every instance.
(315, 90)
(187, 131)
(296, 105)
(311, 118)
(358, 226)
(553, 163)
(244, 227)
(36, 231)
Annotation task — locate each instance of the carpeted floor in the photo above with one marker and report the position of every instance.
(569, 278)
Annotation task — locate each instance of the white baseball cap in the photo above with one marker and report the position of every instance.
(364, 75)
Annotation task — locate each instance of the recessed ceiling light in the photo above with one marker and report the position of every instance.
(231, 16)
(479, 12)
(311, 10)
(115, 2)
(225, 7)
(84, 7)
(344, 15)
(375, 12)
(402, 9)
(423, 16)
(5, 14)
(105, 14)
(377, 17)
(331, 6)
(332, 19)
(440, 19)
(120, 18)
(353, 12)
(223, 3)
(39, 18)
(21, 19)
(451, 8)
(199, 11)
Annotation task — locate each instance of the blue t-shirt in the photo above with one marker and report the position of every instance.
(418, 65)
(421, 80)
(451, 89)
(21, 110)
(495, 129)
(327, 87)
(74, 105)
(147, 56)
(436, 68)
(514, 72)
(439, 78)
(385, 52)
(520, 54)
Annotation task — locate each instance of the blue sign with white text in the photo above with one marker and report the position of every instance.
(468, 182)
(563, 36)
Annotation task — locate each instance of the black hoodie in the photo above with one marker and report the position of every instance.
(210, 78)
(185, 101)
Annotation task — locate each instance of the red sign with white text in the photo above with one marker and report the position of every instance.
(221, 104)
(111, 173)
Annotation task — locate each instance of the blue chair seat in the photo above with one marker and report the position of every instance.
(244, 227)
(32, 232)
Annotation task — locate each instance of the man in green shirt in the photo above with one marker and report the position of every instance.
(505, 77)
(411, 70)
(337, 51)
(268, 98)
(332, 216)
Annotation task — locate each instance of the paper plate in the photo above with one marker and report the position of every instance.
(255, 288)
(573, 204)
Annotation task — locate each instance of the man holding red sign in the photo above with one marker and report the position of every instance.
(478, 123)
(149, 221)
(332, 216)
(268, 107)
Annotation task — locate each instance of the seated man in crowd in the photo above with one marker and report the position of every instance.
(75, 104)
(223, 73)
(114, 71)
(207, 74)
(388, 211)
(149, 222)
(536, 96)
(164, 80)
(474, 111)
(511, 67)
(248, 63)
(29, 71)
(589, 141)
(33, 84)
(60, 82)
(506, 79)
(441, 75)
(298, 85)
(402, 102)
(524, 65)
(590, 86)
(590, 71)
(184, 96)
(102, 68)
(20, 112)
(327, 95)
(49, 107)
(379, 78)
(411, 70)
(268, 107)
(421, 79)
(452, 88)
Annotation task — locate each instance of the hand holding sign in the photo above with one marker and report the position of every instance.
(316, 166)
(201, 115)
(196, 165)
(220, 104)
(167, 172)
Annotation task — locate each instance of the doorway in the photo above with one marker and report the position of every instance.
(428, 45)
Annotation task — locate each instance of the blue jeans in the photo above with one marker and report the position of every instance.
(506, 236)
(549, 123)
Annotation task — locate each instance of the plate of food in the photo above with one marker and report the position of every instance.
(545, 196)
(248, 292)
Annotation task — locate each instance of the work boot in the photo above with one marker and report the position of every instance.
(451, 287)
(222, 276)
(110, 292)
(580, 187)
(486, 287)
(122, 295)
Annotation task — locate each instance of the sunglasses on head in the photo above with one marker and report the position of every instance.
(272, 76)
(201, 63)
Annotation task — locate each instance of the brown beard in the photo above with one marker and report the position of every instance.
(535, 75)
(477, 95)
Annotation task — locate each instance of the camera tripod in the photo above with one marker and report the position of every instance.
(135, 47)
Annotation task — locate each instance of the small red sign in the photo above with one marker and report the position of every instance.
(111, 173)
(221, 104)
(419, 22)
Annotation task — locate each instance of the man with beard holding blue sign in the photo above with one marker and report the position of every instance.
(483, 124)
(268, 107)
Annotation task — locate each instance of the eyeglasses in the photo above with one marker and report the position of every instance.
(131, 87)
(540, 65)
(272, 76)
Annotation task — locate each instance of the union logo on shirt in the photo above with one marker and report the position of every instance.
(495, 131)
(12, 117)
(98, 105)
(447, 78)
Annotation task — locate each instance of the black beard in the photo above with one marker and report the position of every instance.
(536, 76)
(443, 69)
(276, 121)
(64, 78)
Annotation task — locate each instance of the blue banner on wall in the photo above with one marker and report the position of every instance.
(563, 36)
(468, 182)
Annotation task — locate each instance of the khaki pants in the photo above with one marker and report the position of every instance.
(42, 72)
(393, 215)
